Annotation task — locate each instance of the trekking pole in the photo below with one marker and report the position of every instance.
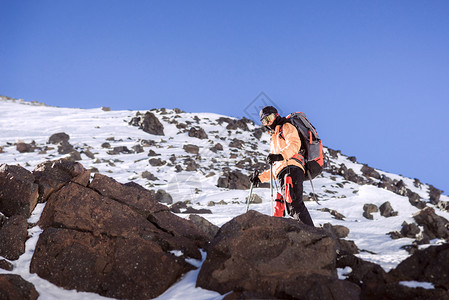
(271, 187)
(250, 196)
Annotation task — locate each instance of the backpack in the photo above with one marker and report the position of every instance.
(311, 153)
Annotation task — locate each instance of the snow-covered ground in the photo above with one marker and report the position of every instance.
(90, 128)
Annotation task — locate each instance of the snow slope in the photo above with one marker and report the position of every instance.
(89, 129)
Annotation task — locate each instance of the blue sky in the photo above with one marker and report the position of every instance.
(373, 76)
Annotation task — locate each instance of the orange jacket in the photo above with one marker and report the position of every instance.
(287, 146)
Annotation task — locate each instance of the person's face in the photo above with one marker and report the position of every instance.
(268, 120)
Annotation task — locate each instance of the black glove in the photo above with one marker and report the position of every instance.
(254, 178)
(271, 158)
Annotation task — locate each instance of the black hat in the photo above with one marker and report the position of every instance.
(267, 110)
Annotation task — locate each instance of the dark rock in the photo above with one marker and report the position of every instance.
(236, 143)
(14, 287)
(434, 226)
(24, 147)
(207, 227)
(443, 205)
(368, 209)
(156, 162)
(255, 199)
(191, 165)
(234, 180)
(106, 145)
(60, 137)
(427, 265)
(119, 149)
(88, 153)
(13, 235)
(333, 153)
(352, 159)
(193, 149)
(113, 239)
(163, 197)
(176, 207)
(386, 210)
(410, 230)
(138, 198)
(191, 210)
(148, 123)
(137, 148)
(65, 148)
(369, 276)
(434, 194)
(52, 175)
(216, 147)
(415, 199)
(6, 265)
(269, 256)
(148, 175)
(152, 153)
(237, 124)
(370, 172)
(116, 267)
(338, 230)
(258, 133)
(198, 133)
(333, 212)
(18, 193)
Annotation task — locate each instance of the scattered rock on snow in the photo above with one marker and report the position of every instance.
(234, 180)
(368, 209)
(193, 149)
(198, 133)
(386, 210)
(434, 226)
(148, 123)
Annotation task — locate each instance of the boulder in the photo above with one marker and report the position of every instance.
(429, 265)
(198, 133)
(6, 265)
(113, 239)
(434, 194)
(57, 138)
(52, 175)
(13, 286)
(370, 172)
(148, 123)
(116, 267)
(24, 147)
(434, 226)
(134, 196)
(193, 149)
(65, 148)
(207, 227)
(269, 256)
(163, 197)
(255, 199)
(234, 180)
(119, 150)
(386, 210)
(368, 209)
(18, 192)
(13, 235)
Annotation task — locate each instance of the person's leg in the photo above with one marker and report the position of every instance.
(298, 209)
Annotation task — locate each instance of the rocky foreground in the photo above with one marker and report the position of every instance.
(118, 241)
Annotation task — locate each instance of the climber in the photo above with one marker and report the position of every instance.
(284, 147)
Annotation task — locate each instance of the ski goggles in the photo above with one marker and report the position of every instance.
(267, 120)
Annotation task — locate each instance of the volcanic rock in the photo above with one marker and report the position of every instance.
(52, 175)
(198, 133)
(15, 287)
(148, 123)
(13, 235)
(234, 180)
(434, 226)
(270, 256)
(18, 192)
(193, 149)
(57, 138)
